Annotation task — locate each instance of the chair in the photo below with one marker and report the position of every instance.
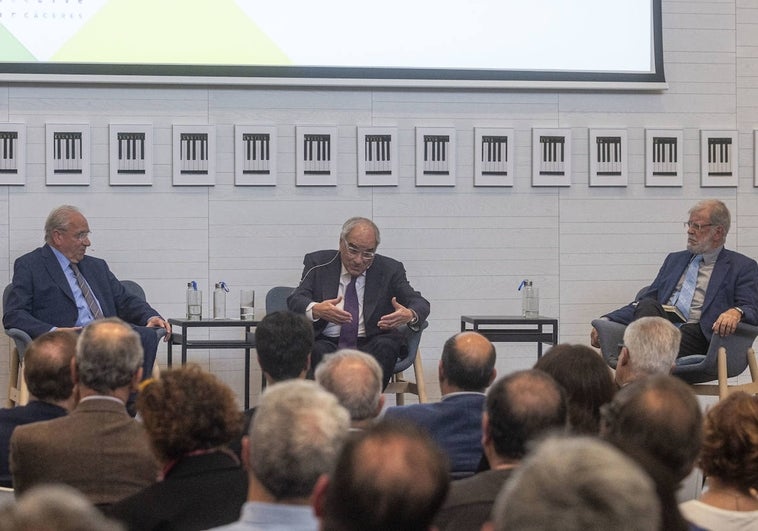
(724, 388)
(398, 384)
(18, 394)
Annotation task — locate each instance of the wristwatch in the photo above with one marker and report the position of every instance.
(742, 313)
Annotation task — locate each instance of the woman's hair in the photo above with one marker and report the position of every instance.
(188, 409)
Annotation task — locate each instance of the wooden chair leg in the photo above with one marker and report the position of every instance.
(13, 373)
(418, 370)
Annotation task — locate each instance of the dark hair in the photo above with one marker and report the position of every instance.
(521, 407)
(391, 476)
(469, 373)
(284, 340)
(587, 380)
(47, 365)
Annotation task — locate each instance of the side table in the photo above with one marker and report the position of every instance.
(514, 329)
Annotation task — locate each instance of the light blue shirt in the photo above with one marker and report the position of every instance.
(258, 516)
(85, 315)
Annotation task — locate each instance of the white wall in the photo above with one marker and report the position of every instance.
(465, 248)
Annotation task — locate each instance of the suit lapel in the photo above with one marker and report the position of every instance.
(720, 270)
(56, 272)
(374, 282)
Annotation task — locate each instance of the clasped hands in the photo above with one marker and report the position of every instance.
(329, 311)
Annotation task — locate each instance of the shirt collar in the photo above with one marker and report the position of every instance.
(711, 256)
(62, 260)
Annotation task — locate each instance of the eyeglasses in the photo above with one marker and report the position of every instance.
(697, 226)
(80, 236)
(352, 250)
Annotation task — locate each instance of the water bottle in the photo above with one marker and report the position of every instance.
(530, 299)
(219, 300)
(194, 302)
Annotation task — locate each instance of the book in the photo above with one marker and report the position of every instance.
(673, 314)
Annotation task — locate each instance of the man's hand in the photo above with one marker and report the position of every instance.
(159, 322)
(329, 311)
(727, 322)
(594, 339)
(399, 317)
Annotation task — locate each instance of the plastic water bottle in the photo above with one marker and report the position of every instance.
(530, 299)
(219, 300)
(194, 302)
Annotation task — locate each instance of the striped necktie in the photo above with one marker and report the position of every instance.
(684, 301)
(92, 304)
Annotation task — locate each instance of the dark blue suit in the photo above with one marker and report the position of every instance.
(455, 424)
(34, 411)
(41, 298)
(734, 282)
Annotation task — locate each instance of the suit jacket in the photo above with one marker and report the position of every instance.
(384, 279)
(469, 502)
(34, 411)
(455, 424)
(199, 492)
(97, 448)
(734, 282)
(41, 298)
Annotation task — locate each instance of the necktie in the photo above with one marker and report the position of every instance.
(684, 301)
(349, 331)
(92, 304)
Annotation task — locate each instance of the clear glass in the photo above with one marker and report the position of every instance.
(247, 304)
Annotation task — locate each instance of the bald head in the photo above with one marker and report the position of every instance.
(355, 378)
(467, 364)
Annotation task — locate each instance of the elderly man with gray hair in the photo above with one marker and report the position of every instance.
(298, 432)
(98, 448)
(651, 345)
(355, 378)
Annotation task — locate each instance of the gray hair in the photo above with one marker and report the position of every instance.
(108, 354)
(297, 434)
(351, 223)
(719, 212)
(58, 219)
(653, 344)
(581, 482)
(55, 507)
(358, 386)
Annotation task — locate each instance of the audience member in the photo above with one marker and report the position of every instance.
(389, 476)
(47, 372)
(660, 415)
(650, 347)
(577, 484)
(357, 298)
(190, 416)
(709, 309)
(587, 380)
(54, 508)
(98, 448)
(298, 432)
(466, 369)
(283, 341)
(729, 461)
(519, 409)
(355, 378)
(56, 285)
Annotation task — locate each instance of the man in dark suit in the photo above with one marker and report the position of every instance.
(725, 289)
(97, 448)
(54, 285)
(466, 369)
(47, 371)
(357, 298)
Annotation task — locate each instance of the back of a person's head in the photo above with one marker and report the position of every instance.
(298, 431)
(55, 508)
(577, 484)
(730, 442)
(587, 380)
(653, 345)
(522, 407)
(355, 378)
(108, 355)
(659, 414)
(390, 476)
(187, 410)
(47, 365)
(468, 361)
(283, 341)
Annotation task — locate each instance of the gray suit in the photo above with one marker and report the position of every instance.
(98, 449)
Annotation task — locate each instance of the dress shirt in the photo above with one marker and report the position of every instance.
(258, 516)
(703, 278)
(332, 329)
(85, 315)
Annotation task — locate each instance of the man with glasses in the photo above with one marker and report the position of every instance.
(712, 287)
(57, 287)
(357, 298)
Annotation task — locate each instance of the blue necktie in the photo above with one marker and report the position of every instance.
(684, 301)
(349, 331)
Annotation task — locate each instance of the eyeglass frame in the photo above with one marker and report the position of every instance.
(697, 226)
(79, 236)
(355, 251)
